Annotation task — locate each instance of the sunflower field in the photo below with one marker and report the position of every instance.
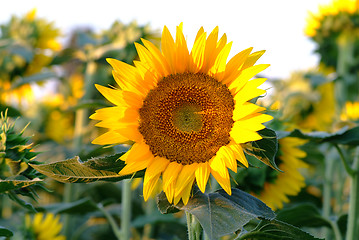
(128, 133)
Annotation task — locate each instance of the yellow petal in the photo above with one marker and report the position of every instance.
(252, 59)
(157, 166)
(197, 53)
(254, 121)
(130, 132)
(137, 158)
(163, 66)
(169, 177)
(110, 137)
(243, 135)
(168, 48)
(185, 177)
(245, 76)
(182, 54)
(126, 76)
(149, 186)
(239, 154)
(219, 67)
(229, 158)
(245, 109)
(119, 97)
(217, 164)
(185, 194)
(248, 91)
(210, 52)
(223, 180)
(202, 175)
(234, 65)
(135, 166)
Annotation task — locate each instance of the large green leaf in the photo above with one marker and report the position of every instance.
(276, 230)
(266, 148)
(304, 215)
(4, 232)
(221, 214)
(343, 136)
(8, 185)
(96, 169)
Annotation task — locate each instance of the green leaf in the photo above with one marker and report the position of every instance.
(96, 169)
(304, 215)
(4, 232)
(81, 206)
(21, 202)
(221, 214)
(343, 136)
(276, 230)
(266, 148)
(8, 185)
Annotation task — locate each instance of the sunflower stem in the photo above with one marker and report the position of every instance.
(189, 226)
(193, 227)
(336, 230)
(327, 191)
(348, 169)
(111, 221)
(353, 213)
(126, 209)
(344, 87)
(81, 120)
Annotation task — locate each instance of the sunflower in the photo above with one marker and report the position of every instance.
(290, 181)
(335, 30)
(44, 227)
(351, 111)
(188, 113)
(332, 10)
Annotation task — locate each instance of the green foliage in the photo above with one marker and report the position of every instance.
(344, 136)
(276, 230)
(266, 148)
(4, 232)
(9, 185)
(75, 171)
(219, 213)
(304, 215)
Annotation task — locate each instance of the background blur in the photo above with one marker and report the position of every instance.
(276, 26)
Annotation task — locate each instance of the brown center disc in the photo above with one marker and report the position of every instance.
(187, 117)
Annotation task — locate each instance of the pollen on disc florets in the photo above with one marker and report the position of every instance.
(187, 117)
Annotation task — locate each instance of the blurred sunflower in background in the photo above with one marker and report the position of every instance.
(309, 105)
(350, 112)
(335, 31)
(281, 185)
(43, 227)
(28, 45)
(189, 113)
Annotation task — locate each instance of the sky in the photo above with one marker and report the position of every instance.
(276, 26)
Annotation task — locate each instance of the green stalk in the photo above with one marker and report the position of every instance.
(327, 191)
(193, 227)
(189, 226)
(336, 230)
(353, 214)
(81, 120)
(112, 222)
(126, 210)
(344, 87)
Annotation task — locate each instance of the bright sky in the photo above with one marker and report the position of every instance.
(274, 25)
